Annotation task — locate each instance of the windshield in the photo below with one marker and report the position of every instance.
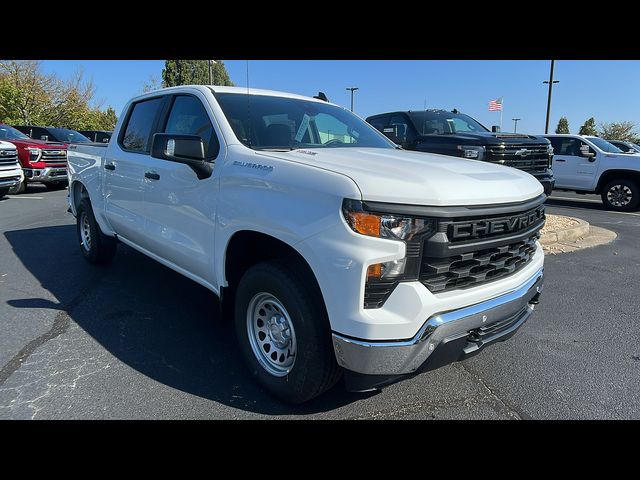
(604, 145)
(10, 133)
(69, 136)
(263, 122)
(440, 122)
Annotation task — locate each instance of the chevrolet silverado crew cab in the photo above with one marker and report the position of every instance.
(41, 161)
(11, 175)
(456, 134)
(337, 252)
(588, 164)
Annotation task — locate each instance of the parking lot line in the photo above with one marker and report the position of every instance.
(23, 197)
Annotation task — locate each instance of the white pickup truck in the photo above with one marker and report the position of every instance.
(588, 164)
(336, 251)
(11, 176)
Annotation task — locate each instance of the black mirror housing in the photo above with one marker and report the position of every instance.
(495, 128)
(186, 149)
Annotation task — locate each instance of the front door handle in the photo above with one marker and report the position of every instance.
(109, 166)
(559, 160)
(152, 175)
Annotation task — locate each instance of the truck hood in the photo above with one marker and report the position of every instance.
(37, 143)
(490, 138)
(401, 176)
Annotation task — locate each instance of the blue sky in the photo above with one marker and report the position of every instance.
(604, 89)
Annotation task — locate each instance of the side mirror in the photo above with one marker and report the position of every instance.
(105, 140)
(584, 152)
(44, 137)
(186, 149)
(495, 128)
(395, 134)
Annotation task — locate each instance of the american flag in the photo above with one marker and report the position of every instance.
(495, 105)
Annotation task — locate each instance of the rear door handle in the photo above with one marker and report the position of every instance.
(559, 160)
(109, 166)
(152, 175)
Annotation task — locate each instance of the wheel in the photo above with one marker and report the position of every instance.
(96, 247)
(283, 332)
(3, 192)
(20, 188)
(621, 195)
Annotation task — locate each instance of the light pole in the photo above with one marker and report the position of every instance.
(550, 82)
(211, 62)
(353, 89)
(515, 124)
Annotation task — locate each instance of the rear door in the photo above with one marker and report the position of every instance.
(179, 207)
(125, 165)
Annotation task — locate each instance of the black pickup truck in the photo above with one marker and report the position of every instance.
(456, 134)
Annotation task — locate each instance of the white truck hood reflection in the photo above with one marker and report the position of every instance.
(400, 176)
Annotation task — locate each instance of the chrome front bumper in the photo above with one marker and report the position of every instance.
(9, 182)
(468, 329)
(46, 175)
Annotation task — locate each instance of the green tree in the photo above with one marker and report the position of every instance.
(563, 125)
(193, 72)
(619, 131)
(589, 127)
(30, 97)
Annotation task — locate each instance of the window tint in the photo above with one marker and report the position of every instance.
(136, 135)
(188, 117)
(566, 146)
(379, 122)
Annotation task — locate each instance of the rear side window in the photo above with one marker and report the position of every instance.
(188, 117)
(139, 125)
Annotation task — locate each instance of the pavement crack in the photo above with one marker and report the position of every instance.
(512, 411)
(60, 325)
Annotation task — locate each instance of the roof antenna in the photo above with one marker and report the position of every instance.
(321, 96)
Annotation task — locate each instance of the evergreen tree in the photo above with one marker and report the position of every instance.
(563, 125)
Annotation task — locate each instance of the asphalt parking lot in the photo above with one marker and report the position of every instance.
(138, 341)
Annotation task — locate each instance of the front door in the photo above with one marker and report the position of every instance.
(570, 168)
(179, 207)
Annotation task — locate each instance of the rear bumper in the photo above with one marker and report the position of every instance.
(46, 175)
(444, 338)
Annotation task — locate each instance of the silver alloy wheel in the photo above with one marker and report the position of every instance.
(85, 232)
(619, 195)
(271, 334)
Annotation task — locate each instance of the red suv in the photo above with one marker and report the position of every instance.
(42, 162)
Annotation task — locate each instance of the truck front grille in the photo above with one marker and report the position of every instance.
(8, 157)
(527, 157)
(476, 267)
(54, 157)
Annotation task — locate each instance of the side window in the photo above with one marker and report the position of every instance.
(188, 117)
(401, 122)
(555, 143)
(379, 122)
(567, 146)
(139, 125)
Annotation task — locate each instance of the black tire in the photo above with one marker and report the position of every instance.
(315, 369)
(3, 192)
(100, 248)
(21, 188)
(616, 193)
(52, 186)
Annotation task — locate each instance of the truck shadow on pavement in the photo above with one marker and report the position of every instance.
(575, 204)
(152, 319)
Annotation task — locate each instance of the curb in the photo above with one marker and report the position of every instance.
(566, 234)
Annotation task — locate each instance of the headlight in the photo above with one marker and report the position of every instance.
(411, 230)
(34, 153)
(472, 152)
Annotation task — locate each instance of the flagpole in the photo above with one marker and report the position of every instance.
(501, 109)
